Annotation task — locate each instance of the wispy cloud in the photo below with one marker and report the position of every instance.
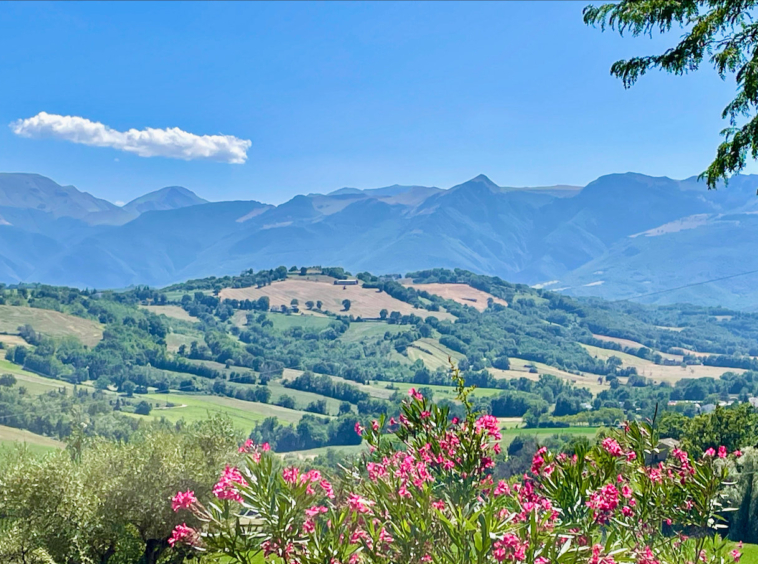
(172, 142)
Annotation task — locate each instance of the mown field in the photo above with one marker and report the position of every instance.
(460, 293)
(11, 437)
(659, 372)
(365, 302)
(172, 311)
(50, 323)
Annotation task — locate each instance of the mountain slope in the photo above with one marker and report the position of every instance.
(622, 235)
(32, 191)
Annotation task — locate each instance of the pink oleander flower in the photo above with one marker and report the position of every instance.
(315, 510)
(737, 453)
(604, 501)
(327, 487)
(439, 505)
(359, 504)
(489, 425)
(375, 425)
(183, 500)
(415, 395)
(425, 415)
(225, 488)
(265, 447)
(736, 554)
(510, 547)
(502, 488)
(647, 557)
(710, 452)
(247, 447)
(291, 475)
(722, 452)
(537, 461)
(359, 429)
(182, 534)
(385, 537)
(612, 447)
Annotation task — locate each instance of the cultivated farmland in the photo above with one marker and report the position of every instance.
(461, 293)
(172, 311)
(364, 302)
(51, 323)
(659, 372)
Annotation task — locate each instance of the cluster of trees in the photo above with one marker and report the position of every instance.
(310, 432)
(326, 386)
(56, 413)
(108, 501)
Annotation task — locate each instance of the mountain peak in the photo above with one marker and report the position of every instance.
(168, 198)
(34, 191)
(480, 181)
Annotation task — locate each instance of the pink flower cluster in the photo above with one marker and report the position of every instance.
(183, 500)
(612, 447)
(510, 547)
(603, 502)
(415, 395)
(226, 486)
(249, 446)
(291, 475)
(489, 425)
(182, 534)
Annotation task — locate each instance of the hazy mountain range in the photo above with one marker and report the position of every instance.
(622, 235)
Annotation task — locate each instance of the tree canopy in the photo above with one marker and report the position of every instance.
(721, 32)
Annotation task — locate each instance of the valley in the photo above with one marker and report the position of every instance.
(278, 353)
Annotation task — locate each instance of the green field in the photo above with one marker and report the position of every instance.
(175, 340)
(314, 452)
(432, 353)
(282, 321)
(369, 330)
(11, 437)
(302, 399)
(749, 554)
(444, 392)
(511, 433)
(195, 407)
(33, 383)
(50, 323)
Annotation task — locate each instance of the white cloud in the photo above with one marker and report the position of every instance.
(171, 142)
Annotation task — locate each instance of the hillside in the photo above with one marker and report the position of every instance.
(622, 235)
(299, 376)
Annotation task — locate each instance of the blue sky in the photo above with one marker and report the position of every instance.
(345, 94)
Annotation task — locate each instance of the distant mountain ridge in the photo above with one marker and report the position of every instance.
(622, 235)
(169, 198)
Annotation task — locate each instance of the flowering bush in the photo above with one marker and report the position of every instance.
(425, 494)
